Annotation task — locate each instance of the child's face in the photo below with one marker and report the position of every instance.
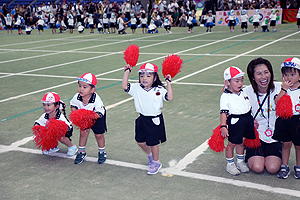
(292, 77)
(235, 84)
(147, 79)
(49, 108)
(84, 89)
(262, 76)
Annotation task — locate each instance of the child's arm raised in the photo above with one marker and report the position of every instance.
(128, 69)
(169, 86)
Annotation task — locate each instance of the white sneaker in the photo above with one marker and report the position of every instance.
(242, 167)
(231, 169)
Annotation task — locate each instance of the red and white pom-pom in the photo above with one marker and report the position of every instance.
(83, 118)
(131, 55)
(253, 143)
(216, 141)
(47, 137)
(172, 65)
(284, 107)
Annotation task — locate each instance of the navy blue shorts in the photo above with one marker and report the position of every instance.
(298, 21)
(242, 128)
(244, 25)
(144, 25)
(105, 26)
(273, 23)
(265, 150)
(255, 23)
(231, 22)
(287, 130)
(100, 126)
(147, 129)
(190, 25)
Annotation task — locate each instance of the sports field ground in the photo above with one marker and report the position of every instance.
(32, 65)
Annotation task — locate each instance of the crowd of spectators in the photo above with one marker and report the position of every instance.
(176, 11)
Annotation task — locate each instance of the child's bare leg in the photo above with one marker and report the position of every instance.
(100, 140)
(66, 141)
(145, 147)
(229, 150)
(240, 149)
(83, 137)
(297, 149)
(155, 152)
(286, 148)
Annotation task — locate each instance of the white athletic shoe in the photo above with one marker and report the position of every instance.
(242, 167)
(231, 169)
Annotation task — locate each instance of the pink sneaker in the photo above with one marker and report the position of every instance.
(189, 32)
(154, 168)
(192, 31)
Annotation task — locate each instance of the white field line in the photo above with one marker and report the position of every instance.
(221, 180)
(235, 57)
(69, 51)
(16, 97)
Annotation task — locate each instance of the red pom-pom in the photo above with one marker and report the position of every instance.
(83, 118)
(47, 137)
(172, 65)
(253, 143)
(131, 55)
(216, 141)
(284, 107)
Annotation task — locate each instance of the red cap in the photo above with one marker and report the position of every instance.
(88, 78)
(148, 67)
(50, 97)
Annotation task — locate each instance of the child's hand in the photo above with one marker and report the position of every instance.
(168, 78)
(286, 84)
(224, 132)
(256, 124)
(127, 67)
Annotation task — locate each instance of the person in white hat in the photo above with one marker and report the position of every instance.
(298, 19)
(51, 105)
(236, 120)
(149, 95)
(232, 21)
(88, 99)
(287, 129)
(256, 19)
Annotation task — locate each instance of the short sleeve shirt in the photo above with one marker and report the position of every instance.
(236, 104)
(147, 102)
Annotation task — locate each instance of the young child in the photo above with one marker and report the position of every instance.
(113, 22)
(91, 22)
(144, 23)
(286, 130)
(52, 23)
(100, 26)
(209, 21)
(71, 23)
(152, 27)
(122, 26)
(236, 120)
(298, 19)
(105, 23)
(28, 30)
(80, 28)
(9, 23)
(51, 105)
(232, 21)
(18, 25)
(273, 17)
(264, 25)
(86, 98)
(148, 96)
(255, 21)
(133, 21)
(40, 24)
(167, 25)
(244, 20)
(190, 23)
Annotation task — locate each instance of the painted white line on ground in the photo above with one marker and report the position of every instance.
(212, 66)
(191, 157)
(204, 177)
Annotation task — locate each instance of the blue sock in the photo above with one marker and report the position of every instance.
(81, 149)
(101, 150)
(240, 158)
(230, 160)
